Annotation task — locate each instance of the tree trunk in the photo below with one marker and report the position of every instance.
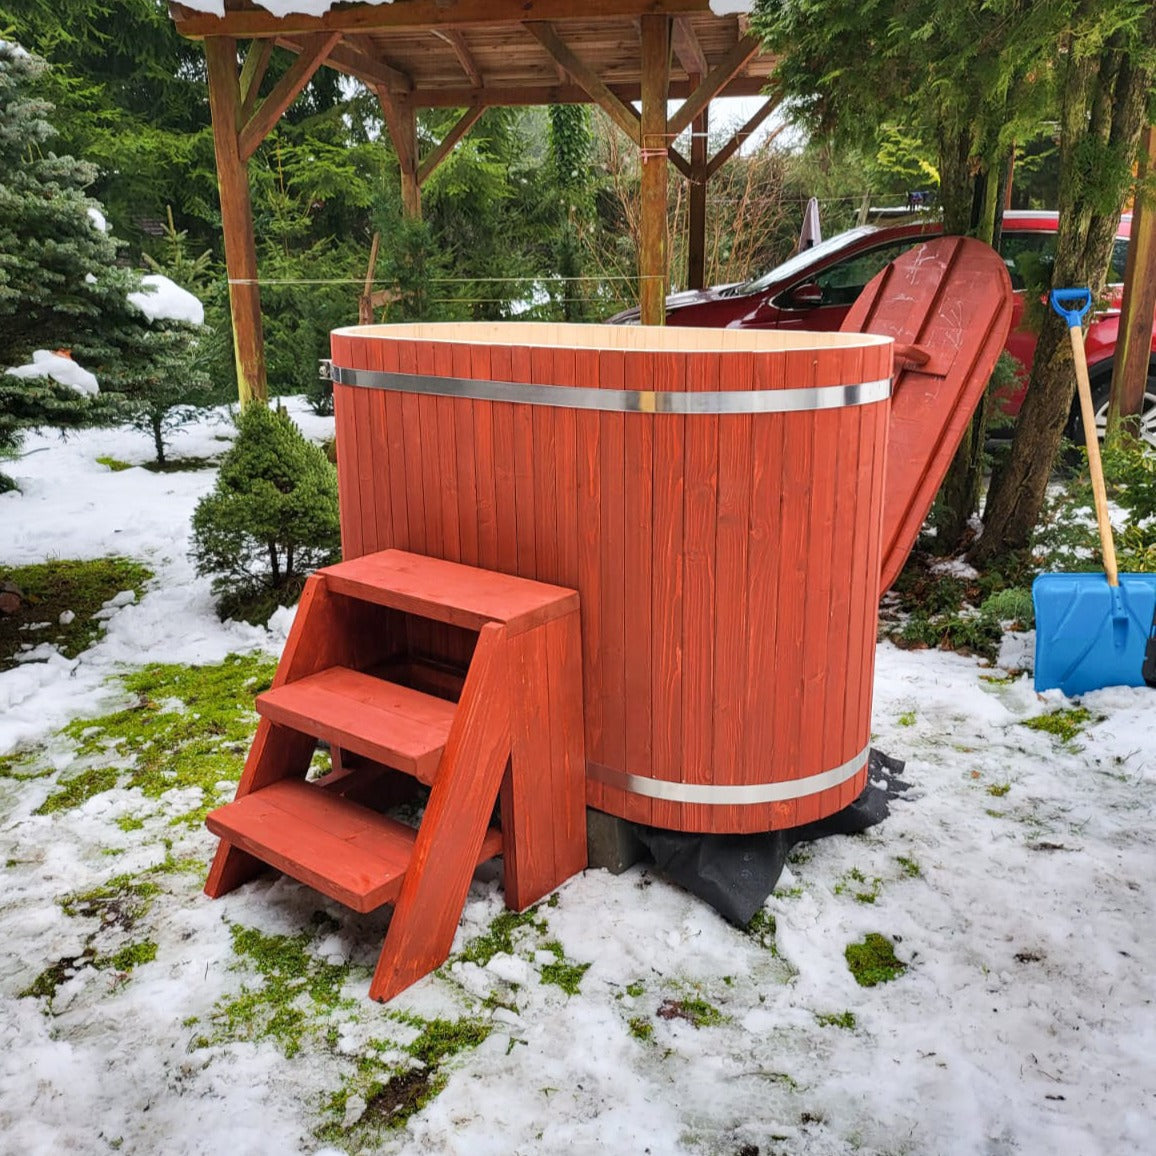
(158, 440)
(1103, 105)
(274, 564)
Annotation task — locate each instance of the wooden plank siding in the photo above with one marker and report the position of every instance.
(727, 564)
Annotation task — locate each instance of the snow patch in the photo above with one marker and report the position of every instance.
(61, 369)
(165, 300)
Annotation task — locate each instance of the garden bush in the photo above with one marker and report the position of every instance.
(270, 519)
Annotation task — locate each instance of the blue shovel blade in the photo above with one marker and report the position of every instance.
(1089, 634)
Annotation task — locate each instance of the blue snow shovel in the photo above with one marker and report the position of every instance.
(1091, 629)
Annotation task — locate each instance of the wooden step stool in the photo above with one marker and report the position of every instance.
(377, 652)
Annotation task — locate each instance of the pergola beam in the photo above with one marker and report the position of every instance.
(349, 57)
(698, 180)
(457, 41)
(716, 80)
(410, 16)
(252, 73)
(688, 50)
(732, 146)
(400, 112)
(521, 95)
(1134, 341)
(286, 91)
(430, 164)
(622, 114)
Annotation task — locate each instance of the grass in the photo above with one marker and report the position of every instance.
(560, 973)
(844, 1020)
(873, 961)
(501, 936)
(187, 726)
(114, 464)
(696, 1011)
(73, 589)
(858, 886)
(909, 866)
(1064, 724)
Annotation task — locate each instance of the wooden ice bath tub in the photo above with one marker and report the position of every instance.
(715, 497)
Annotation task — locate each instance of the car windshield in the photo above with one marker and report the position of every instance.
(803, 261)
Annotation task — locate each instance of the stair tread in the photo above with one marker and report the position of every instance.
(449, 591)
(384, 721)
(334, 845)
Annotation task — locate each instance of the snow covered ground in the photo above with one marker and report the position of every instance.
(1015, 878)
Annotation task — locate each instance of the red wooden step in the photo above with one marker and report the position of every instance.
(448, 591)
(381, 720)
(335, 846)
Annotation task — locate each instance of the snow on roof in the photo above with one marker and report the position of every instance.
(320, 7)
(61, 368)
(164, 300)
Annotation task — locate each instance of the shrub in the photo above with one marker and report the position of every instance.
(270, 519)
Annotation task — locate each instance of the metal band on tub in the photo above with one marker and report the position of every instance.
(618, 400)
(724, 794)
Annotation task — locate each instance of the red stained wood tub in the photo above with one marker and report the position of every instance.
(714, 496)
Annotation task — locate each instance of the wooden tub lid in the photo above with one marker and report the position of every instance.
(950, 300)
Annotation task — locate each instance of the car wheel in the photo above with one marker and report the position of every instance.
(1101, 389)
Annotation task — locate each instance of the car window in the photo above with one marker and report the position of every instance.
(807, 258)
(1119, 260)
(1029, 258)
(842, 282)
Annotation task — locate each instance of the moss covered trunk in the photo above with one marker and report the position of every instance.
(1104, 99)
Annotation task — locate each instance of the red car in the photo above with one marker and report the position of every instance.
(815, 289)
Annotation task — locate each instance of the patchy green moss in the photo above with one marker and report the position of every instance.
(696, 1011)
(641, 1029)
(23, 764)
(998, 790)
(1064, 724)
(390, 1093)
(762, 928)
(188, 726)
(297, 991)
(499, 939)
(130, 956)
(121, 902)
(907, 718)
(114, 464)
(910, 867)
(635, 989)
(72, 588)
(129, 823)
(873, 961)
(845, 1020)
(858, 886)
(560, 973)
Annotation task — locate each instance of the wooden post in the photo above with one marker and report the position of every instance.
(696, 216)
(236, 219)
(401, 119)
(652, 263)
(1134, 343)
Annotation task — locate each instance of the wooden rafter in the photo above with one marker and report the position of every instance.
(430, 163)
(687, 48)
(286, 91)
(457, 41)
(413, 15)
(622, 114)
(716, 80)
(252, 73)
(566, 93)
(680, 162)
(731, 147)
(354, 60)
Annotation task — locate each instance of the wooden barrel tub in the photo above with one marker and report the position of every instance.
(714, 496)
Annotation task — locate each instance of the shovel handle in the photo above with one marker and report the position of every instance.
(1095, 466)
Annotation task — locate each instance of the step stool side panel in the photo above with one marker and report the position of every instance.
(527, 819)
(277, 753)
(568, 745)
(453, 827)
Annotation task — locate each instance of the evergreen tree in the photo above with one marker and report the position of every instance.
(56, 276)
(270, 519)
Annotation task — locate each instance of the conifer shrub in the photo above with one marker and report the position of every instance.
(270, 519)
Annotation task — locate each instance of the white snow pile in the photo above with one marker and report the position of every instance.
(97, 218)
(1014, 879)
(164, 300)
(60, 368)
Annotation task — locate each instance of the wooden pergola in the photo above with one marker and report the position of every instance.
(473, 55)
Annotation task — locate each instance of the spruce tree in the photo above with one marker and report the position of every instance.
(271, 518)
(56, 275)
